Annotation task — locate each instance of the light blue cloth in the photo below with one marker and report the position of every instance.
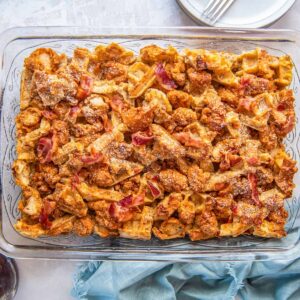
(278, 280)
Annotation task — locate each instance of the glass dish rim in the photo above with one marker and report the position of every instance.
(50, 32)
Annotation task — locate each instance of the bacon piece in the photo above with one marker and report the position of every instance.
(49, 114)
(138, 200)
(253, 161)
(92, 158)
(127, 201)
(155, 191)
(282, 106)
(49, 206)
(73, 113)
(142, 138)
(44, 219)
(234, 208)
(253, 185)
(163, 78)
(187, 139)
(229, 160)
(117, 103)
(45, 148)
(123, 210)
(85, 87)
(120, 213)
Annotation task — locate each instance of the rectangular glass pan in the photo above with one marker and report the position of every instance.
(17, 43)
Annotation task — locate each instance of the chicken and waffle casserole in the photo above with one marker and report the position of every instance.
(162, 144)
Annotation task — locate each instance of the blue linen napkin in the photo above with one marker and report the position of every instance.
(269, 280)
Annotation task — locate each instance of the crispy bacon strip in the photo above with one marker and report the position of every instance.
(123, 210)
(155, 191)
(142, 138)
(163, 78)
(45, 148)
(117, 103)
(188, 140)
(90, 159)
(44, 219)
(85, 87)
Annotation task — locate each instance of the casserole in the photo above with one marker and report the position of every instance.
(19, 42)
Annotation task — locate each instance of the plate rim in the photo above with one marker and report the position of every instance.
(187, 9)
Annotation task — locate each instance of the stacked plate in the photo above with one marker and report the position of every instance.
(241, 14)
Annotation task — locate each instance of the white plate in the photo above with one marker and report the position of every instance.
(242, 13)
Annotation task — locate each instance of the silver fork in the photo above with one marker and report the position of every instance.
(215, 9)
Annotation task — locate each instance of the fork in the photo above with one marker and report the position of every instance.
(215, 9)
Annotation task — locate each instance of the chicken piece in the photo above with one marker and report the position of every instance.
(177, 71)
(179, 99)
(61, 225)
(272, 199)
(84, 226)
(214, 117)
(173, 181)
(144, 155)
(269, 230)
(186, 211)
(119, 150)
(100, 177)
(223, 208)
(70, 201)
(198, 79)
(103, 217)
(249, 214)
(264, 176)
(30, 230)
(45, 177)
(278, 215)
(139, 229)
(81, 130)
(197, 179)
(184, 116)
(240, 187)
(137, 119)
(166, 207)
(205, 227)
(53, 88)
(169, 229)
(165, 146)
(114, 71)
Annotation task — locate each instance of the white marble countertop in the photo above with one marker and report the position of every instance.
(52, 280)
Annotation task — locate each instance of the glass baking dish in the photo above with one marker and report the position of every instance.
(17, 43)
